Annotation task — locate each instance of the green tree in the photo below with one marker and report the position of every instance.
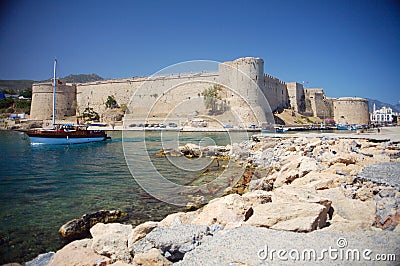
(6, 102)
(90, 114)
(124, 108)
(23, 105)
(27, 93)
(211, 97)
(111, 102)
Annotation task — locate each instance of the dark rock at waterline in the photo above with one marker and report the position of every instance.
(79, 228)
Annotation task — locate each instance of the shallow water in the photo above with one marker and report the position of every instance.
(42, 187)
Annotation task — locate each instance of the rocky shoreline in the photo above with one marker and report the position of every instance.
(306, 194)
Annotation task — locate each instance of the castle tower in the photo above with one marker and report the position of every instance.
(245, 76)
(351, 110)
(42, 101)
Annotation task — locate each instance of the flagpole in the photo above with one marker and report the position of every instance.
(54, 93)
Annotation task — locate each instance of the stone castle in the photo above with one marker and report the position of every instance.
(247, 96)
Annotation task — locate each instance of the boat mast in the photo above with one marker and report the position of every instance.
(54, 93)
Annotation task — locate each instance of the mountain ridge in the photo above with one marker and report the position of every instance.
(379, 105)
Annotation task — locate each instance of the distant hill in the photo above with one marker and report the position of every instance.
(379, 104)
(77, 78)
(81, 78)
(16, 85)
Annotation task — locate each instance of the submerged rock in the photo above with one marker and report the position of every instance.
(79, 228)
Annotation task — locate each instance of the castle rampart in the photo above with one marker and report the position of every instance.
(276, 92)
(246, 91)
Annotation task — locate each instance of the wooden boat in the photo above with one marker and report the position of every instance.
(64, 133)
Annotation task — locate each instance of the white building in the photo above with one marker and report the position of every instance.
(383, 115)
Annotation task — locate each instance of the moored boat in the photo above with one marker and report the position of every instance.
(342, 127)
(64, 133)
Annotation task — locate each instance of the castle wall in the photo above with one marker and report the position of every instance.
(317, 104)
(348, 110)
(276, 92)
(42, 101)
(247, 93)
(296, 96)
(160, 97)
(94, 94)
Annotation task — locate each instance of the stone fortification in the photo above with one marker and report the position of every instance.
(296, 96)
(245, 77)
(317, 104)
(351, 110)
(42, 101)
(248, 96)
(276, 91)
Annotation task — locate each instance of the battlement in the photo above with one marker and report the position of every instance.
(267, 76)
(149, 78)
(351, 99)
(314, 90)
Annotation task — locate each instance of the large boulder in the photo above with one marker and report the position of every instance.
(298, 217)
(140, 232)
(78, 253)
(151, 257)
(178, 218)
(79, 228)
(111, 240)
(249, 245)
(292, 194)
(229, 211)
(295, 168)
(348, 214)
(173, 241)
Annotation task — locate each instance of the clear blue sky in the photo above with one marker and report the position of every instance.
(350, 47)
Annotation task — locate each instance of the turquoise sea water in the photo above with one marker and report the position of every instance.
(43, 187)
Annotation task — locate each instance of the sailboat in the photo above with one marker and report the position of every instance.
(64, 133)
